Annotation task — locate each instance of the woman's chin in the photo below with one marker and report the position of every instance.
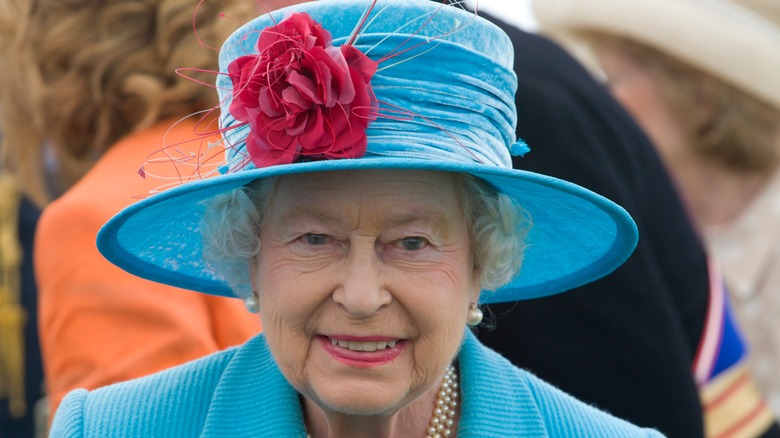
(358, 397)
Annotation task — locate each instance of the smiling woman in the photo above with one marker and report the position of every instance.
(359, 257)
(339, 266)
(364, 211)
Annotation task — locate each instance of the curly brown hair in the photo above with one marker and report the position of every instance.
(80, 74)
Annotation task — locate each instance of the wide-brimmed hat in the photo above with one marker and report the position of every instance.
(737, 41)
(403, 84)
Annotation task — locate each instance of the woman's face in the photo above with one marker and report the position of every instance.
(639, 92)
(365, 279)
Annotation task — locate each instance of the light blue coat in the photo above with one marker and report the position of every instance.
(241, 393)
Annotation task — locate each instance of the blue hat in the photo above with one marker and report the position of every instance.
(391, 84)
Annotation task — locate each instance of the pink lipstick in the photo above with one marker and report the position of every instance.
(362, 352)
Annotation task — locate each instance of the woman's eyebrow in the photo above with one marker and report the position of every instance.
(426, 216)
(429, 216)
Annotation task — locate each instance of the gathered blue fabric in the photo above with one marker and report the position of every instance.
(240, 392)
(453, 78)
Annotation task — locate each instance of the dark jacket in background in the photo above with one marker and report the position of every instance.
(624, 343)
(24, 427)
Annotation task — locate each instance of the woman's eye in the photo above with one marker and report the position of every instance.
(316, 239)
(413, 243)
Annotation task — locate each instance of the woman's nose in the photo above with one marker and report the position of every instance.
(362, 290)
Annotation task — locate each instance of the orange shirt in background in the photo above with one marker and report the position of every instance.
(99, 324)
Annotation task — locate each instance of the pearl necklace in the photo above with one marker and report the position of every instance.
(445, 407)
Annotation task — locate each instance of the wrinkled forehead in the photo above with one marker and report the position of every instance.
(393, 197)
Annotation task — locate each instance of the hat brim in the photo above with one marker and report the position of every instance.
(724, 39)
(577, 237)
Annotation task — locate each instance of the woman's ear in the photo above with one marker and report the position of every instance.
(253, 272)
(253, 261)
(476, 285)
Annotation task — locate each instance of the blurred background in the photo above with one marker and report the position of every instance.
(518, 12)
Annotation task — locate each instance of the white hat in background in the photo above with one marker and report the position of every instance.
(737, 41)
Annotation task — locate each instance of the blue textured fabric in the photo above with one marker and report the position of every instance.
(459, 76)
(241, 393)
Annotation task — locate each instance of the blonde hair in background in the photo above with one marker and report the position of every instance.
(80, 74)
(729, 127)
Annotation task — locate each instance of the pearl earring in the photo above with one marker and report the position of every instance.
(475, 315)
(252, 303)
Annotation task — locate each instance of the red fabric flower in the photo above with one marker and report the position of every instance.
(301, 96)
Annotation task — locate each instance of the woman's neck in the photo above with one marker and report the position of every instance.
(412, 420)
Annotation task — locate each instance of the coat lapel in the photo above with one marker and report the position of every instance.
(496, 397)
(253, 398)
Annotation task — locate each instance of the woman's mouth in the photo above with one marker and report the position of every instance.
(363, 345)
(362, 352)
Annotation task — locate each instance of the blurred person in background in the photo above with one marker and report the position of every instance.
(21, 368)
(22, 394)
(94, 92)
(701, 78)
(647, 334)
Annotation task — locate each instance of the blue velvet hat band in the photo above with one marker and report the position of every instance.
(445, 102)
(453, 78)
(464, 115)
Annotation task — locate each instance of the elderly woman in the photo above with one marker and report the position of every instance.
(366, 206)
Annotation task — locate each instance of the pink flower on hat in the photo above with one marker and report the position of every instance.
(301, 96)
